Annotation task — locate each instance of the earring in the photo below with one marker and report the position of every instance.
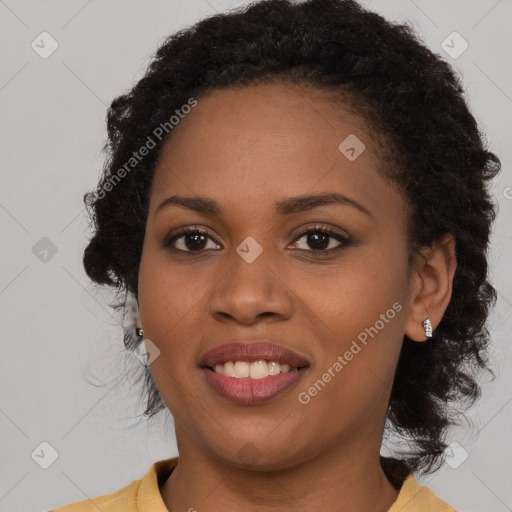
(428, 328)
(139, 332)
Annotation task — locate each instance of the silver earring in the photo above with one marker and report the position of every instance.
(140, 333)
(428, 328)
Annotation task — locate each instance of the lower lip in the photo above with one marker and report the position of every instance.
(251, 391)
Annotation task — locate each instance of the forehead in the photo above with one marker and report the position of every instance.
(267, 141)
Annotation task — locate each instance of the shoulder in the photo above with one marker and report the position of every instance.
(416, 498)
(123, 499)
(131, 498)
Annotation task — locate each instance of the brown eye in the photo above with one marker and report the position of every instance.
(194, 240)
(322, 240)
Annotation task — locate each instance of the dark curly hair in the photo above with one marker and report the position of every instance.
(410, 98)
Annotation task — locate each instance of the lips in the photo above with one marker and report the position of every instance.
(249, 391)
(255, 350)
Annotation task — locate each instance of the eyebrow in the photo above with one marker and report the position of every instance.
(287, 206)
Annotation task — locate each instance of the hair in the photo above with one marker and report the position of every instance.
(408, 96)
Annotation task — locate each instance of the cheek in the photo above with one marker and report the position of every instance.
(361, 304)
(352, 295)
(363, 311)
(168, 297)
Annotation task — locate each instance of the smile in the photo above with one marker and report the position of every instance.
(249, 390)
(254, 370)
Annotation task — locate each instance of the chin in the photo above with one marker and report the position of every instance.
(261, 455)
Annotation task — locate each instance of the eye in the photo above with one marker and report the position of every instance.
(194, 240)
(320, 238)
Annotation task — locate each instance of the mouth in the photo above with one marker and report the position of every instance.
(253, 369)
(252, 372)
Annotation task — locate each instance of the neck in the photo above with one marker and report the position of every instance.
(343, 480)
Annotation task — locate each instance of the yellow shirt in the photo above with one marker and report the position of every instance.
(143, 495)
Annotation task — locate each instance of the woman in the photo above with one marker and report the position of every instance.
(297, 199)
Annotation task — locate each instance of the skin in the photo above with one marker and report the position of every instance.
(247, 149)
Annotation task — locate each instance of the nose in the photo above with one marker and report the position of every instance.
(250, 292)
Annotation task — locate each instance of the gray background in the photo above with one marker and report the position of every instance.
(65, 378)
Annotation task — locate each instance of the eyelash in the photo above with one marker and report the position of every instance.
(326, 230)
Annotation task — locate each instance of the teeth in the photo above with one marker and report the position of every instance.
(241, 370)
(274, 368)
(229, 368)
(254, 370)
(258, 369)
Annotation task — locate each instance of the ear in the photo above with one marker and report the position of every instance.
(430, 288)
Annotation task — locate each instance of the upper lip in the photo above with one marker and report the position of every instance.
(252, 350)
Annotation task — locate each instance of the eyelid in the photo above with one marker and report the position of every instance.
(176, 234)
(326, 229)
(343, 240)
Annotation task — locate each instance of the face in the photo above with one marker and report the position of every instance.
(328, 281)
